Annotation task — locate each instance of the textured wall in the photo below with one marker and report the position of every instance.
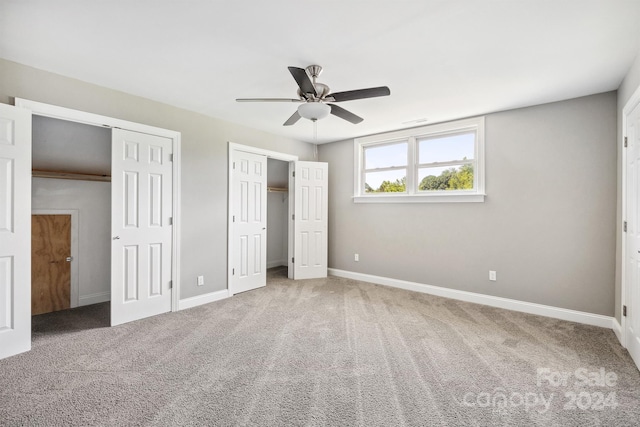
(547, 225)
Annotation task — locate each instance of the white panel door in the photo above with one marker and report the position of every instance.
(310, 220)
(15, 230)
(632, 273)
(141, 209)
(249, 219)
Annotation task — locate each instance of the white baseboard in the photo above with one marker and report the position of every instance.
(277, 263)
(202, 299)
(94, 298)
(506, 303)
(617, 329)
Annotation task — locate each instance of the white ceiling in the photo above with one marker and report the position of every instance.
(442, 60)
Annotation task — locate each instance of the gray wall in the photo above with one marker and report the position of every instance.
(61, 145)
(628, 86)
(92, 200)
(204, 159)
(547, 225)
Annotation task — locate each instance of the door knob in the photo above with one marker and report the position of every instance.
(69, 259)
(116, 238)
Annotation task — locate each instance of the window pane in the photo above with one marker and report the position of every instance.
(385, 156)
(447, 148)
(446, 178)
(386, 182)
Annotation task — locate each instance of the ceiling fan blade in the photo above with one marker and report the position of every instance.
(293, 119)
(344, 114)
(268, 100)
(302, 78)
(350, 95)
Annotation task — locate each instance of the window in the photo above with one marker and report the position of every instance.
(385, 167)
(437, 163)
(445, 163)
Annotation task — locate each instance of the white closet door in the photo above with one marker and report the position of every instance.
(141, 209)
(249, 244)
(15, 230)
(310, 220)
(632, 273)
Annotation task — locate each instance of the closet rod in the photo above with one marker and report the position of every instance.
(37, 173)
(277, 190)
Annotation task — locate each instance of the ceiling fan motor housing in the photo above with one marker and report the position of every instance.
(322, 90)
(314, 70)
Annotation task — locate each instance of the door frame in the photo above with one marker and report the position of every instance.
(67, 114)
(232, 148)
(75, 262)
(633, 101)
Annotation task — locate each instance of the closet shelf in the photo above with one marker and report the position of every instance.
(277, 190)
(37, 173)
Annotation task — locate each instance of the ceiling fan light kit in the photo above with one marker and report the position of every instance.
(315, 97)
(314, 110)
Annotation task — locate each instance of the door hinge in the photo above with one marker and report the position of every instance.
(233, 219)
(233, 271)
(170, 284)
(624, 311)
(234, 165)
(625, 226)
(293, 217)
(294, 174)
(293, 260)
(625, 141)
(170, 220)
(171, 157)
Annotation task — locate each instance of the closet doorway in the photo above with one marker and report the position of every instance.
(71, 214)
(277, 217)
(147, 162)
(306, 202)
(142, 210)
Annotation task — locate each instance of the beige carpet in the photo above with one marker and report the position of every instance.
(320, 352)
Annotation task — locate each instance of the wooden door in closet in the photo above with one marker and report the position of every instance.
(50, 263)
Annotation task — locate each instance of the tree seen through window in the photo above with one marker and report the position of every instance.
(450, 179)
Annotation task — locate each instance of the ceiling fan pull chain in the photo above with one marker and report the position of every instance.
(315, 132)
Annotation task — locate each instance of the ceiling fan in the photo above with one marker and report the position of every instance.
(315, 97)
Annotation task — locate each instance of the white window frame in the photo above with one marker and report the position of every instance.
(413, 195)
(406, 166)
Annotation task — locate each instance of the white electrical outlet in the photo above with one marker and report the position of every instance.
(492, 275)
(200, 280)
(356, 257)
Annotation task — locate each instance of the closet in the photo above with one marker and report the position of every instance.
(277, 213)
(71, 214)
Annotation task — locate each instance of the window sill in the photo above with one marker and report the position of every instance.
(420, 198)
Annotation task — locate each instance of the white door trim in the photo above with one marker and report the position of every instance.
(75, 263)
(260, 151)
(62, 113)
(633, 101)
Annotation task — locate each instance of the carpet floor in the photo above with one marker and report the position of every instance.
(333, 352)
